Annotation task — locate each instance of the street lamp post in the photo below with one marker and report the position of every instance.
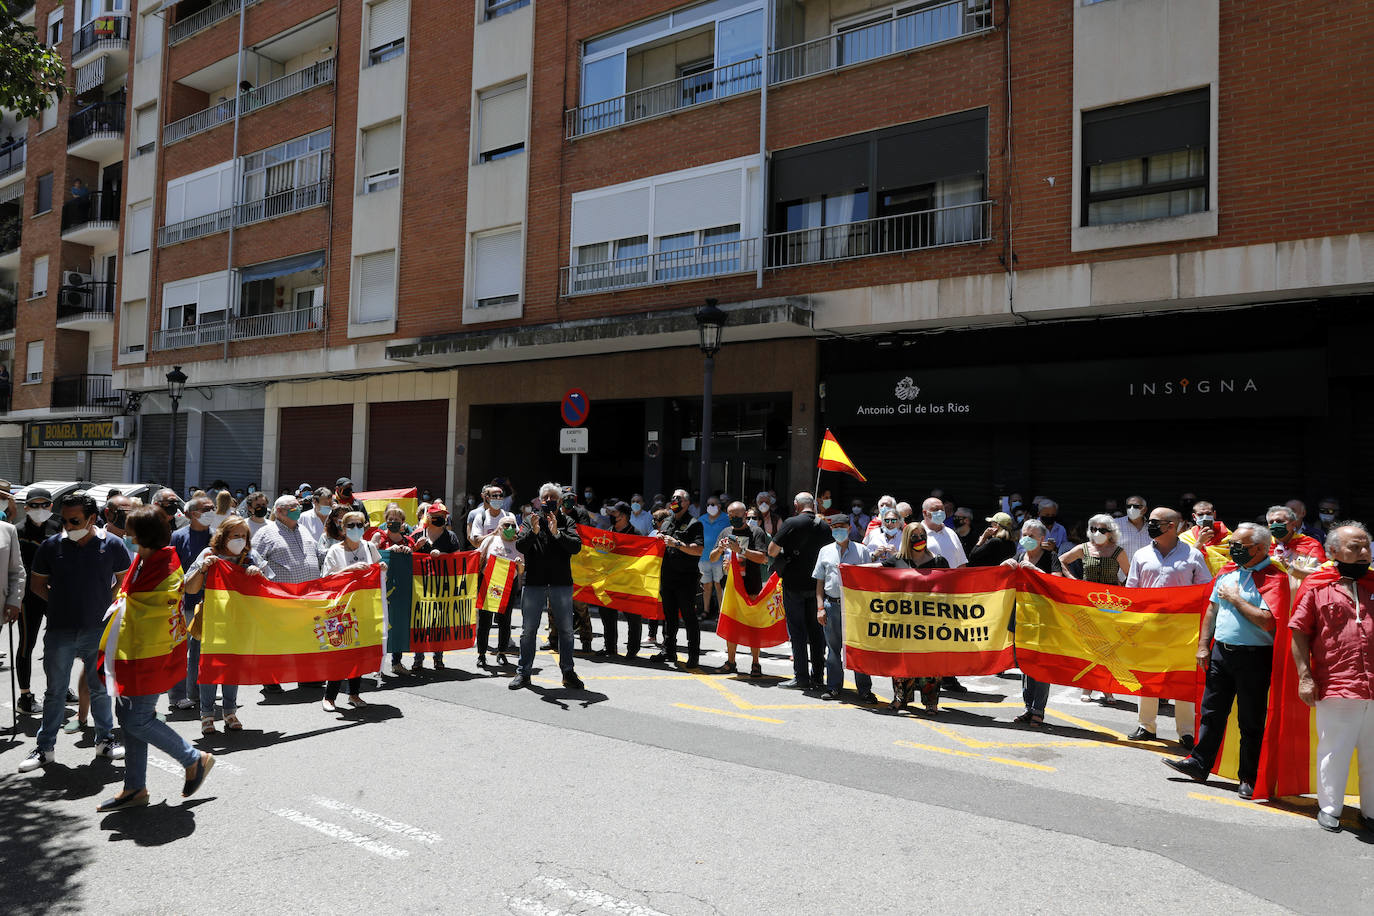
(711, 323)
(176, 385)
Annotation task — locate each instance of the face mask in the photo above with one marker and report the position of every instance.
(763, 507)
(569, 502)
(753, 522)
(938, 516)
(1132, 513)
(635, 507)
(918, 546)
(354, 533)
(236, 545)
(129, 544)
(471, 502)
(508, 534)
(839, 534)
(1205, 521)
(825, 504)
(713, 511)
(322, 511)
(1240, 553)
(294, 514)
(1049, 520)
(1029, 543)
(438, 521)
(1099, 537)
(736, 522)
(587, 495)
(346, 496)
(260, 512)
(605, 513)
(395, 526)
(675, 505)
(1154, 528)
(238, 494)
(212, 519)
(1327, 518)
(1279, 530)
(857, 510)
(39, 516)
(76, 534)
(1351, 570)
(3, 515)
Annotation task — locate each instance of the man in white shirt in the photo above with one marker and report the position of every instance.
(1165, 563)
(885, 540)
(485, 519)
(641, 519)
(830, 605)
(942, 540)
(1135, 532)
(312, 520)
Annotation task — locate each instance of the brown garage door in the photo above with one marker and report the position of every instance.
(314, 445)
(407, 445)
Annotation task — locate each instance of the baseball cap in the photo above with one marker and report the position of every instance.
(37, 493)
(342, 482)
(304, 488)
(837, 519)
(1002, 519)
(438, 508)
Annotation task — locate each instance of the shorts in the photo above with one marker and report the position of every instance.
(712, 572)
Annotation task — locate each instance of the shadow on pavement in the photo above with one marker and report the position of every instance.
(41, 862)
(557, 695)
(82, 781)
(155, 825)
(253, 739)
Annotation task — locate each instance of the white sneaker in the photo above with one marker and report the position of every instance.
(111, 749)
(328, 706)
(36, 759)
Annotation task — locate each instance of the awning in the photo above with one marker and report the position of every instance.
(11, 192)
(281, 267)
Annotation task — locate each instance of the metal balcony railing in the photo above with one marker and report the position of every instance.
(660, 267)
(282, 203)
(212, 332)
(277, 90)
(94, 207)
(183, 29)
(93, 299)
(652, 101)
(12, 156)
(275, 324)
(100, 118)
(194, 228)
(957, 225)
(90, 392)
(112, 28)
(881, 39)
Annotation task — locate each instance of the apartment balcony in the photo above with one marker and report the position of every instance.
(931, 25)
(92, 220)
(196, 335)
(87, 306)
(660, 268)
(203, 19)
(12, 161)
(195, 228)
(86, 394)
(106, 34)
(278, 90)
(962, 224)
(96, 132)
(665, 98)
(9, 308)
(11, 231)
(292, 200)
(242, 327)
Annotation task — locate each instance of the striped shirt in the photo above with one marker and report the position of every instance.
(290, 554)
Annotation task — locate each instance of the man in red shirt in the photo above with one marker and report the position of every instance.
(1333, 649)
(1301, 553)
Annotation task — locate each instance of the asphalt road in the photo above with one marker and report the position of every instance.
(661, 792)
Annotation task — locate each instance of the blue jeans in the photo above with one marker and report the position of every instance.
(186, 689)
(559, 600)
(834, 641)
(1035, 694)
(61, 649)
(138, 716)
(207, 691)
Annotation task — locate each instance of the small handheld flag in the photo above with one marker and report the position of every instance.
(833, 458)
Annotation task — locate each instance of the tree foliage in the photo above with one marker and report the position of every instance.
(32, 75)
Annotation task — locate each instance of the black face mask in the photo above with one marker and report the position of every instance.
(1049, 520)
(1154, 528)
(260, 512)
(1352, 570)
(346, 496)
(119, 518)
(736, 522)
(394, 526)
(1241, 554)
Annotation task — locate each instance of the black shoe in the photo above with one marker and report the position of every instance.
(667, 658)
(501, 660)
(830, 695)
(868, 697)
(1367, 822)
(727, 668)
(691, 664)
(795, 684)
(756, 670)
(71, 696)
(27, 704)
(573, 682)
(1246, 790)
(1188, 766)
(1187, 742)
(632, 654)
(482, 660)
(952, 683)
(272, 688)
(518, 682)
(1140, 734)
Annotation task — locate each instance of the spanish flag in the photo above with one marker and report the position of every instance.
(1140, 641)
(498, 581)
(833, 458)
(914, 623)
(261, 632)
(144, 643)
(619, 571)
(376, 501)
(756, 622)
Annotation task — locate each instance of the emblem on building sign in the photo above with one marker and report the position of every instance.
(338, 630)
(907, 390)
(1112, 604)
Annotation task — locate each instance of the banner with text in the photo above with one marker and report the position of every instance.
(431, 601)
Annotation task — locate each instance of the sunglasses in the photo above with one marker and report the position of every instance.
(1135, 505)
(1100, 530)
(42, 505)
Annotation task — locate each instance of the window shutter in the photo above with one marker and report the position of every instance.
(382, 148)
(145, 126)
(33, 365)
(502, 118)
(610, 216)
(40, 275)
(376, 286)
(497, 260)
(702, 202)
(386, 22)
(140, 228)
(1171, 122)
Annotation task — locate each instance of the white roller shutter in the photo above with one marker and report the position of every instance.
(610, 216)
(145, 127)
(11, 458)
(501, 118)
(497, 264)
(701, 202)
(386, 22)
(382, 148)
(54, 464)
(107, 466)
(376, 286)
(140, 227)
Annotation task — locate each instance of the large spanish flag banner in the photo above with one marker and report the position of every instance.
(144, 643)
(1141, 641)
(431, 601)
(376, 501)
(257, 631)
(619, 571)
(909, 623)
(757, 622)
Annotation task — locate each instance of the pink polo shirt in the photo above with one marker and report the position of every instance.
(1342, 639)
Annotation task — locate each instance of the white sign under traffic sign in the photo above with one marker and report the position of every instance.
(572, 440)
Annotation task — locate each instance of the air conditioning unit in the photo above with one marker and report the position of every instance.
(75, 278)
(124, 427)
(72, 297)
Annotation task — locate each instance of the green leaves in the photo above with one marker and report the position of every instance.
(32, 76)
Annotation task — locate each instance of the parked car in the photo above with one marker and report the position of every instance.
(143, 491)
(58, 489)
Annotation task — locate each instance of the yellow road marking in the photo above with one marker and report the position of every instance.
(1085, 724)
(729, 694)
(1240, 803)
(979, 743)
(1025, 764)
(727, 712)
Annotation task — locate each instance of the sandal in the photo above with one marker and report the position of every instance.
(207, 725)
(232, 723)
(1033, 719)
(756, 670)
(729, 668)
(356, 702)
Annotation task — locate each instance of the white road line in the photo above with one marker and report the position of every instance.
(527, 907)
(341, 833)
(378, 820)
(598, 899)
(158, 763)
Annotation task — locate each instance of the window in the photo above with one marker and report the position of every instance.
(33, 365)
(194, 311)
(55, 27)
(284, 178)
(133, 326)
(501, 122)
(48, 119)
(149, 35)
(200, 194)
(686, 255)
(42, 197)
(145, 129)
(498, 260)
(608, 265)
(1146, 160)
(496, 8)
(381, 157)
(376, 287)
(140, 227)
(40, 276)
(386, 30)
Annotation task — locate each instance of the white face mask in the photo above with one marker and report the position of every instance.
(76, 534)
(236, 545)
(752, 522)
(1099, 537)
(354, 533)
(1133, 513)
(713, 511)
(39, 516)
(211, 519)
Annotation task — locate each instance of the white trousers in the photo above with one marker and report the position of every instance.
(1184, 715)
(1344, 725)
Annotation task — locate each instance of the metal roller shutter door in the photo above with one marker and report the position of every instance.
(11, 459)
(391, 462)
(231, 448)
(152, 450)
(107, 466)
(315, 445)
(909, 463)
(54, 464)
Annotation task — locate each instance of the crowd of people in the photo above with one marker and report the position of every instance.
(65, 570)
